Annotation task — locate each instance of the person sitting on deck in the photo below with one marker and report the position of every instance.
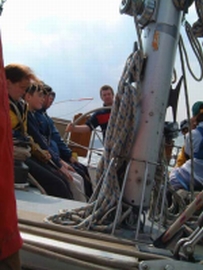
(35, 103)
(184, 128)
(50, 133)
(19, 78)
(99, 118)
(180, 177)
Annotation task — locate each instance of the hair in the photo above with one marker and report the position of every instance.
(199, 117)
(106, 87)
(46, 88)
(184, 124)
(17, 72)
(34, 88)
(52, 93)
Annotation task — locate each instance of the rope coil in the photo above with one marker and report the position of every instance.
(119, 140)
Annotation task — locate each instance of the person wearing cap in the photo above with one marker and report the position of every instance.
(180, 177)
(195, 112)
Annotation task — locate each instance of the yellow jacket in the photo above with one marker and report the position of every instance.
(18, 115)
(181, 159)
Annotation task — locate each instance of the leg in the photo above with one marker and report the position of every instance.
(51, 181)
(77, 187)
(82, 170)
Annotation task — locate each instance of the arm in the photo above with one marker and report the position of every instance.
(63, 150)
(38, 138)
(77, 128)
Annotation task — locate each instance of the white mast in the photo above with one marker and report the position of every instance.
(160, 43)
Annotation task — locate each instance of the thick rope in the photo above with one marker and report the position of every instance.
(196, 46)
(183, 4)
(120, 136)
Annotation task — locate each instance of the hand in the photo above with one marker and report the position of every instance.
(66, 173)
(67, 166)
(73, 160)
(41, 155)
(46, 155)
(69, 127)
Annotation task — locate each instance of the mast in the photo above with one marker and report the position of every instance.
(160, 37)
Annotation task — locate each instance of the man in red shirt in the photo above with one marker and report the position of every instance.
(99, 118)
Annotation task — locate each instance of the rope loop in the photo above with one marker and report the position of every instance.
(196, 47)
(183, 4)
(100, 212)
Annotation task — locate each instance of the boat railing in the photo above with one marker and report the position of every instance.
(85, 146)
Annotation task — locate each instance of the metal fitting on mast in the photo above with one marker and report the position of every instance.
(143, 8)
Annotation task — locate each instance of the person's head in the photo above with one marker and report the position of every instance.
(196, 114)
(49, 96)
(184, 126)
(107, 95)
(35, 97)
(197, 111)
(18, 77)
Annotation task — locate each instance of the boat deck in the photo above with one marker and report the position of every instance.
(51, 246)
(48, 246)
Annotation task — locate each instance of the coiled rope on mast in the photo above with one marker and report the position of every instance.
(119, 140)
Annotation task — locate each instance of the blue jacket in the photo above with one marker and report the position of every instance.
(51, 133)
(199, 153)
(34, 131)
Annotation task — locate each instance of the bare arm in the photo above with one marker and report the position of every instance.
(77, 128)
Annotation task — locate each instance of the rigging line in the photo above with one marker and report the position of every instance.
(194, 42)
(180, 44)
(71, 100)
(138, 29)
(75, 111)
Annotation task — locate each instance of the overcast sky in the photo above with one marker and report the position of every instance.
(75, 47)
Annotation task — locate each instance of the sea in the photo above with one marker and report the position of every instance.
(178, 142)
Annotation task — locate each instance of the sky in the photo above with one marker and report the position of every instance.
(75, 47)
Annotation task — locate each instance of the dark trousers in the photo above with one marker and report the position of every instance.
(11, 263)
(53, 182)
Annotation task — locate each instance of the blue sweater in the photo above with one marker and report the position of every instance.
(50, 135)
